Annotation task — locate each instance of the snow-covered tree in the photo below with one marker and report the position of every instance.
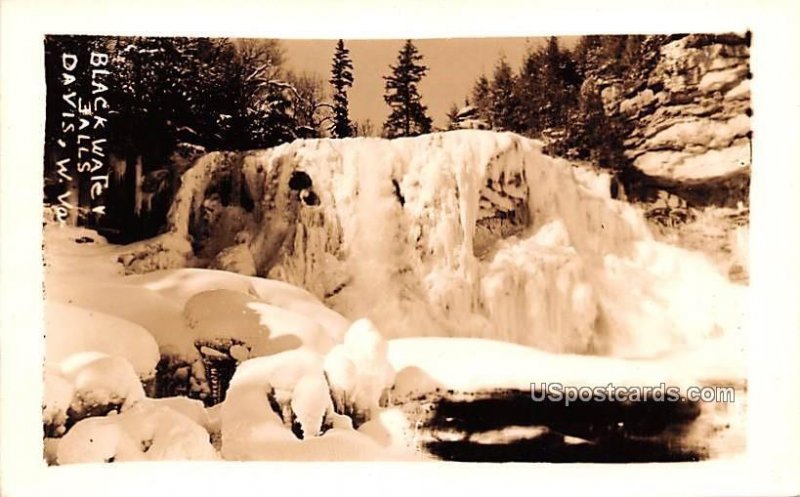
(408, 116)
(341, 80)
(308, 103)
(258, 113)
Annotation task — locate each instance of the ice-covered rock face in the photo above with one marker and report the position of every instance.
(466, 233)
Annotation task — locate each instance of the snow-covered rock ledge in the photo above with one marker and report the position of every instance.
(467, 233)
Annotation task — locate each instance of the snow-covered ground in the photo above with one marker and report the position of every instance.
(521, 265)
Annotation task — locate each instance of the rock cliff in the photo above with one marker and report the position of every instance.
(689, 115)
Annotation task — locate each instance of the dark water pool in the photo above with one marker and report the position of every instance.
(461, 427)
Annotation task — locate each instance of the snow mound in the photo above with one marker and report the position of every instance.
(191, 408)
(247, 294)
(426, 236)
(301, 395)
(101, 380)
(258, 402)
(88, 297)
(168, 317)
(146, 432)
(268, 395)
(72, 329)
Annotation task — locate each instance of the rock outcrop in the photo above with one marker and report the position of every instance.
(690, 119)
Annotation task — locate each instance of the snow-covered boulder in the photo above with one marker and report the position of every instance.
(279, 408)
(143, 317)
(99, 380)
(167, 251)
(71, 329)
(236, 259)
(258, 328)
(58, 394)
(258, 408)
(146, 432)
(87, 384)
(304, 392)
(173, 289)
(223, 315)
(191, 408)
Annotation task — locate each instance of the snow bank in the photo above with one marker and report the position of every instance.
(471, 364)
(92, 306)
(465, 233)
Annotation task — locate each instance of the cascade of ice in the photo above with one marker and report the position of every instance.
(466, 233)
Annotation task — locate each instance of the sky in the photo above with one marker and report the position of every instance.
(454, 65)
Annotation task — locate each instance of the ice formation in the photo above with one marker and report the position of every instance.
(467, 233)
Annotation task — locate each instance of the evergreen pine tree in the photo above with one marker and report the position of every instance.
(503, 97)
(341, 80)
(531, 94)
(452, 117)
(408, 116)
(481, 99)
(560, 81)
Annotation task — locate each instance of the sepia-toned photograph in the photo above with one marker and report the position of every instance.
(510, 249)
(261, 248)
